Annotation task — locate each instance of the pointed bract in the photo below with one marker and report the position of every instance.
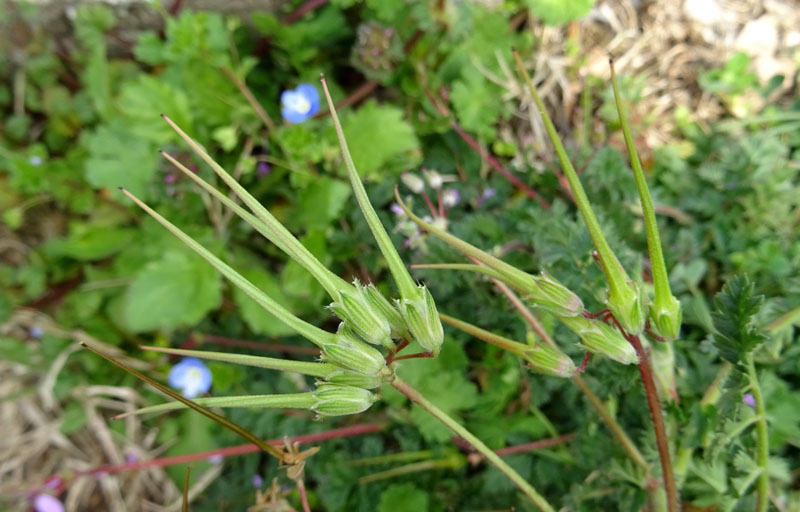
(600, 338)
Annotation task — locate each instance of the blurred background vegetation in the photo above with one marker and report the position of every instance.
(712, 94)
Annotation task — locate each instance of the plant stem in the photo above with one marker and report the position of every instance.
(615, 428)
(465, 434)
(762, 440)
(646, 373)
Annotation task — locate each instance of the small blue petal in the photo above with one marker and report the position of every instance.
(191, 376)
(294, 116)
(300, 103)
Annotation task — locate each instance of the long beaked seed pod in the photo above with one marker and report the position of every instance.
(412, 296)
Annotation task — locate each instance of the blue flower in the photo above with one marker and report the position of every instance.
(191, 376)
(299, 104)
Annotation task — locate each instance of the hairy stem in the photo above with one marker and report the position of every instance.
(762, 440)
(646, 373)
(476, 443)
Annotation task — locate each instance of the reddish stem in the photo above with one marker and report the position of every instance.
(256, 345)
(415, 356)
(301, 490)
(304, 9)
(353, 430)
(646, 373)
(429, 203)
(585, 363)
(497, 167)
(536, 445)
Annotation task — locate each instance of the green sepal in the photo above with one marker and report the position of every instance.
(337, 400)
(348, 351)
(397, 325)
(423, 321)
(666, 318)
(600, 338)
(629, 304)
(358, 313)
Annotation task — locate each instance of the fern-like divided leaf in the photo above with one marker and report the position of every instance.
(734, 319)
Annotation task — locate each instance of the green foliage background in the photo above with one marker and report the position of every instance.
(92, 121)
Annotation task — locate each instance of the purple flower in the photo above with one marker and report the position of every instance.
(47, 503)
(487, 194)
(750, 400)
(257, 481)
(191, 376)
(215, 459)
(131, 458)
(36, 332)
(397, 209)
(35, 160)
(299, 104)
(169, 179)
(263, 169)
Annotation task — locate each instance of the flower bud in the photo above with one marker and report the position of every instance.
(423, 321)
(357, 312)
(629, 306)
(375, 298)
(601, 338)
(548, 294)
(350, 353)
(547, 360)
(413, 182)
(450, 197)
(336, 400)
(434, 179)
(666, 318)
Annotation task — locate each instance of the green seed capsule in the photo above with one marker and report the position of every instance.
(601, 338)
(629, 306)
(666, 318)
(359, 380)
(337, 400)
(380, 303)
(423, 321)
(547, 360)
(550, 295)
(662, 359)
(357, 311)
(350, 353)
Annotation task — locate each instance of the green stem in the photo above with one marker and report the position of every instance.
(660, 279)
(762, 442)
(784, 321)
(322, 370)
(615, 274)
(462, 266)
(487, 336)
(393, 457)
(454, 461)
(287, 401)
(405, 284)
(310, 332)
(476, 443)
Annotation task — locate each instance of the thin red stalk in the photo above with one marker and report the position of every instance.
(429, 203)
(498, 167)
(304, 9)
(536, 445)
(439, 199)
(646, 373)
(301, 490)
(520, 448)
(353, 430)
(585, 363)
